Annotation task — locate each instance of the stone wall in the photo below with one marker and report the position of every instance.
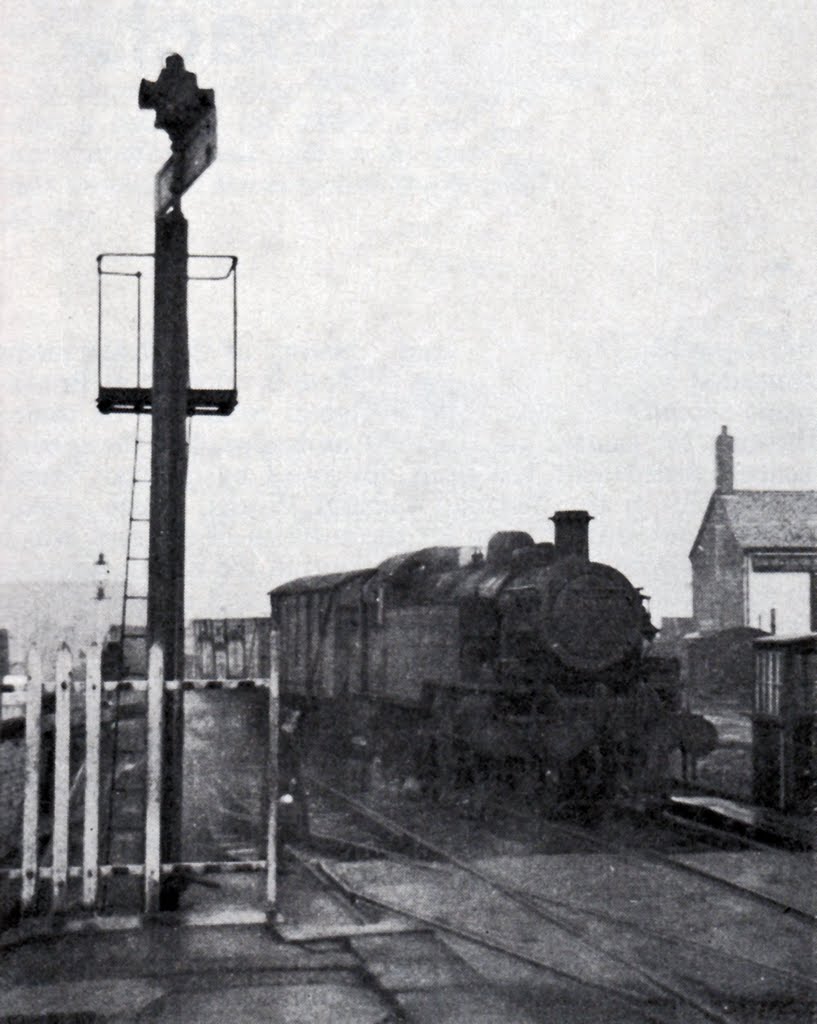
(717, 576)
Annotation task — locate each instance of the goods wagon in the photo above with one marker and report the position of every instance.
(229, 649)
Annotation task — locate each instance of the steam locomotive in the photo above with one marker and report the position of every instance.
(528, 664)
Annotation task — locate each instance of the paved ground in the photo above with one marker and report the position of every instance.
(731, 960)
(198, 975)
(242, 975)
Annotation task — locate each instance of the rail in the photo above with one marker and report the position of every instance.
(550, 911)
(32, 872)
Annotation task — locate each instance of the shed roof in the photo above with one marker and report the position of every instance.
(769, 519)
(799, 641)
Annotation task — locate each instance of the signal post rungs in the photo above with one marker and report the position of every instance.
(31, 872)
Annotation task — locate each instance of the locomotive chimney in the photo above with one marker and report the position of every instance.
(571, 533)
(724, 462)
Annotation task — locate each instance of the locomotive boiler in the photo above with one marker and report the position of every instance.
(527, 664)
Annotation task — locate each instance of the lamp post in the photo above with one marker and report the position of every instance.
(102, 572)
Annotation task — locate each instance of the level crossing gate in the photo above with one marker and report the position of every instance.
(44, 887)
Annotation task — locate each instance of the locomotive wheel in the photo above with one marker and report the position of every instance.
(438, 762)
(446, 768)
(549, 796)
(584, 777)
(430, 770)
(571, 788)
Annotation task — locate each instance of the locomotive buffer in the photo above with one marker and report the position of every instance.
(188, 115)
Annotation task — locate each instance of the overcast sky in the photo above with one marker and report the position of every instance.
(496, 259)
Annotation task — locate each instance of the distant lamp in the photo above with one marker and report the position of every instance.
(103, 571)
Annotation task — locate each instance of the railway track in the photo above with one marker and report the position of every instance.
(677, 829)
(725, 837)
(565, 917)
(584, 838)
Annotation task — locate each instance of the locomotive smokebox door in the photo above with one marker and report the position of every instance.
(591, 616)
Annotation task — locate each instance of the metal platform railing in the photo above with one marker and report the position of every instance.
(137, 395)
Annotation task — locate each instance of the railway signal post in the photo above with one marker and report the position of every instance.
(188, 114)
(178, 104)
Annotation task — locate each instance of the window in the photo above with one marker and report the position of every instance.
(769, 682)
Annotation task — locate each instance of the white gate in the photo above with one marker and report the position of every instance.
(32, 873)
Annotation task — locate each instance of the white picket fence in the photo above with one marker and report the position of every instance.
(32, 872)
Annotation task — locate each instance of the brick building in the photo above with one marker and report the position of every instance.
(744, 533)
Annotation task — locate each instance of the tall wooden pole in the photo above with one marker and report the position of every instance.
(165, 610)
(187, 114)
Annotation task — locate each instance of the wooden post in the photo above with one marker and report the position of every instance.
(62, 778)
(90, 841)
(31, 799)
(153, 802)
(168, 476)
(272, 776)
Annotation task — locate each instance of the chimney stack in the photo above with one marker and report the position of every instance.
(571, 529)
(724, 462)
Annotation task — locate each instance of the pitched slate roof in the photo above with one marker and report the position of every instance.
(769, 519)
(773, 519)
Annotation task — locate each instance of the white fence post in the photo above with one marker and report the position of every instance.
(272, 775)
(90, 841)
(31, 799)
(62, 777)
(153, 802)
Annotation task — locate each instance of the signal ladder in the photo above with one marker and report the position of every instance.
(124, 815)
